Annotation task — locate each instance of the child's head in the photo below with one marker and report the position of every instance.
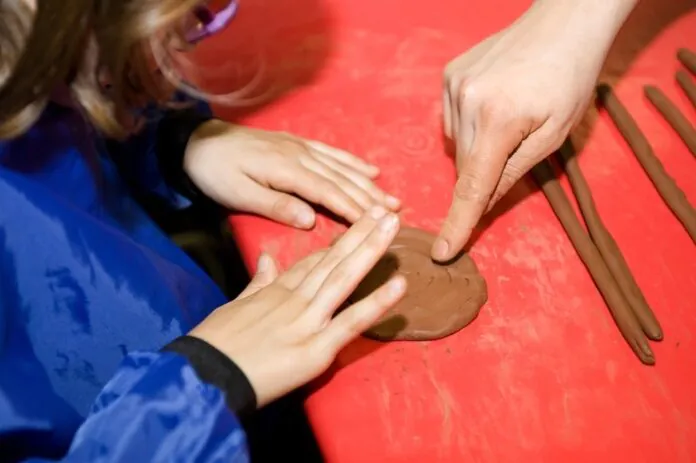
(102, 50)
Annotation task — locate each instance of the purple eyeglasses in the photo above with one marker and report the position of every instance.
(211, 19)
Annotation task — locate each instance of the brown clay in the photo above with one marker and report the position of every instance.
(440, 299)
(607, 245)
(688, 59)
(672, 195)
(673, 116)
(687, 84)
(591, 257)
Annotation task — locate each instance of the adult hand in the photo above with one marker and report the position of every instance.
(260, 172)
(281, 332)
(511, 101)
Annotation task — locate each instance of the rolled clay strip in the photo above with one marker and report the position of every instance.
(687, 84)
(688, 59)
(619, 308)
(672, 195)
(607, 245)
(673, 116)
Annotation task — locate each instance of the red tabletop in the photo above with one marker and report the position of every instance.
(543, 373)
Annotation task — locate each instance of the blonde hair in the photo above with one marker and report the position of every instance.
(86, 43)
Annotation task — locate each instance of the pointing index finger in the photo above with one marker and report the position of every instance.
(479, 175)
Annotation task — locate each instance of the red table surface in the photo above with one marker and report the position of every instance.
(543, 373)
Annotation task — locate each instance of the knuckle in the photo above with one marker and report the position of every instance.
(362, 181)
(309, 263)
(341, 275)
(323, 189)
(511, 174)
(298, 300)
(470, 188)
(333, 195)
(357, 323)
(315, 258)
(496, 111)
(289, 145)
(468, 91)
(304, 326)
(322, 358)
(449, 228)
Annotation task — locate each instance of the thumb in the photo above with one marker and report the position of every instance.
(266, 273)
(479, 175)
(275, 205)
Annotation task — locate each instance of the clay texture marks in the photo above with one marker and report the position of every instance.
(440, 299)
(688, 86)
(673, 116)
(591, 257)
(672, 195)
(607, 245)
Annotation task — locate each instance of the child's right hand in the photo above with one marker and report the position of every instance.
(281, 331)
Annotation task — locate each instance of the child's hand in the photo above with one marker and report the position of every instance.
(261, 172)
(281, 331)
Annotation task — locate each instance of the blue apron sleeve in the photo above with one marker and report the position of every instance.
(151, 161)
(157, 409)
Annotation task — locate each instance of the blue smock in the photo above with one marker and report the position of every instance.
(90, 290)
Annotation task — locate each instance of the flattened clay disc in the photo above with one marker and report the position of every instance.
(440, 299)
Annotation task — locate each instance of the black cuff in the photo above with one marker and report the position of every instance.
(173, 134)
(214, 367)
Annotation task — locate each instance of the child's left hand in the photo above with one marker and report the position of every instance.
(257, 171)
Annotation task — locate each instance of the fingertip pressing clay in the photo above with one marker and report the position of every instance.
(440, 299)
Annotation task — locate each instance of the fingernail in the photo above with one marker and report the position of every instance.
(377, 212)
(396, 286)
(263, 264)
(388, 222)
(304, 218)
(393, 202)
(440, 248)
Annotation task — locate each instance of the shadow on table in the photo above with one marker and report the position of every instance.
(281, 432)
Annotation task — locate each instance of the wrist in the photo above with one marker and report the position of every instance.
(591, 18)
(583, 30)
(213, 367)
(203, 141)
(199, 142)
(174, 134)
